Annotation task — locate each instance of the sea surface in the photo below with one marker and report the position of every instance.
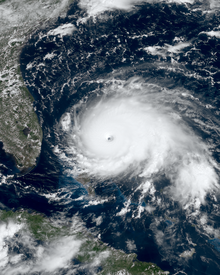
(128, 97)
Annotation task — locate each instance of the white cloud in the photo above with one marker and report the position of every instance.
(94, 7)
(147, 138)
(66, 29)
(50, 257)
(7, 231)
(57, 254)
(213, 33)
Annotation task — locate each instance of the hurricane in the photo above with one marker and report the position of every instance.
(129, 129)
(127, 180)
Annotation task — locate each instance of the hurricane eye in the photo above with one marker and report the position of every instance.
(110, 138)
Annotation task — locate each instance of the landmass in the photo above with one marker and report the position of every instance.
(20, 130)
(85, 180)
(21, 136)
(111, 261)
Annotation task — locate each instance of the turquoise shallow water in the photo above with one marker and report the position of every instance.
(164, 54)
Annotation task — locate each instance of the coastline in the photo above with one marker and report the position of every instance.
(16, 102)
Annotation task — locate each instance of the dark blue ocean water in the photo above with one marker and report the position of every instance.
(115, 43)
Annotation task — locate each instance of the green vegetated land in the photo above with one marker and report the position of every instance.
(111, 260)
(20, 131)
(38, 225)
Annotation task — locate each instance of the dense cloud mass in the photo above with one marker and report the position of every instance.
(128, 130)
(127, 94)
